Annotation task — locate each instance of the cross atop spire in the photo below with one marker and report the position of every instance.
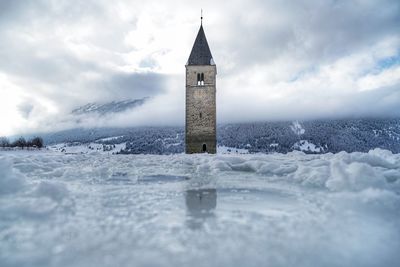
(201, 18)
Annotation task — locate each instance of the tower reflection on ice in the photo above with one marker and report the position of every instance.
(200, 204)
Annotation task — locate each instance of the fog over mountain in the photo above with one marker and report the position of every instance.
(108, 108)
(286, 61)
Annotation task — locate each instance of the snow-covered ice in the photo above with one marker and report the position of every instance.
(199, 210)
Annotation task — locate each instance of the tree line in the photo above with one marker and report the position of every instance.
(35, 142)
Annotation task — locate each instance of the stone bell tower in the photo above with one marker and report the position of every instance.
(201, 71)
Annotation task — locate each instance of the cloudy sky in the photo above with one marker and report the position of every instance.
(276, 60)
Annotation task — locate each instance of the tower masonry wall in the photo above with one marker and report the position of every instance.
(200, 109)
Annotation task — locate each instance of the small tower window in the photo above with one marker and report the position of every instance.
(200, 115)
(200, 78)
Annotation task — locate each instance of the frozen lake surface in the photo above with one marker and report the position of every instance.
(200, 210)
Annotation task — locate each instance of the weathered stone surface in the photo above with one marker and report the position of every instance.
(201, 109)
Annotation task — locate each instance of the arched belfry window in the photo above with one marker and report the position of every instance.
(200, 78)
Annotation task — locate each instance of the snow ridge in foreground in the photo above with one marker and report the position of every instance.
(200, 210)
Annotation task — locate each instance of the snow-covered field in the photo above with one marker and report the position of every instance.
(96, 148)
(89, 148)
(199, 210)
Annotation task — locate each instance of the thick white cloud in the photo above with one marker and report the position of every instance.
(276, 60)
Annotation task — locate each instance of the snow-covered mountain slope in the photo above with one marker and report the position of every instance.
(305, 146)
(107, 108)
(199, 210)
(320, 136)
(297, 128)
(310, 136)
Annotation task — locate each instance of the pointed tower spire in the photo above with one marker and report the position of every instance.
(201, 54)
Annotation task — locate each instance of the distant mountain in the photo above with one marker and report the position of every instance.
(111, 107)
(319, 136)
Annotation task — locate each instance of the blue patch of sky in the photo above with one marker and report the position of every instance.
(383, 64)
(389, 62)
